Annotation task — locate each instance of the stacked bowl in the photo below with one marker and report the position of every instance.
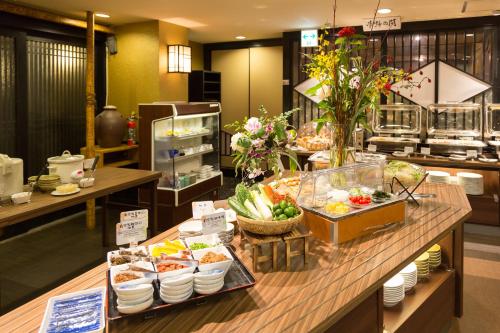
(209, 282)
(409, 274)
(134, 298)
(46, 183)
(394, 290)
(422, 264)
(176, 289)
(434, 256)
(227, 235)
(205, 172)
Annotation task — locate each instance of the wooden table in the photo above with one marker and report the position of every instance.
(108, 180)
(339, 291)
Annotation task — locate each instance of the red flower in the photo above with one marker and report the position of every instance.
(346, 32)
(387, 86)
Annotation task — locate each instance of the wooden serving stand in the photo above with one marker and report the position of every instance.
(298, 235)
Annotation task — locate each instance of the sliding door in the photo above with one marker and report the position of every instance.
(7, 95)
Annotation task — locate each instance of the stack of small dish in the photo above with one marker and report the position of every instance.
(422, 263)
(46, 183)
(409, 274)
(176, 289)
(134, 298)
(205, 171)
(190, 229)
(434, 256)
(438, 177)
(471, 182)
(227, 236)
(394, 290)
(209, 282)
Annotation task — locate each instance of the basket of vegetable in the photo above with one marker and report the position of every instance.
(262, 211)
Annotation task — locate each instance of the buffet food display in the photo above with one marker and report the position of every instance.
(309, 139)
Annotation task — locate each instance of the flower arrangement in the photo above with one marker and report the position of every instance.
(348, 87)
(261, 140)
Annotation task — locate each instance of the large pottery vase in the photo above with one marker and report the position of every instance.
(110, 127)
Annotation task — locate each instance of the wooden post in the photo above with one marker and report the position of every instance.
(90, 109)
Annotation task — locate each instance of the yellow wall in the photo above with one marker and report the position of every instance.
(196, 56)
(133, 71)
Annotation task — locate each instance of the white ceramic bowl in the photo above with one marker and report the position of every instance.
(207, 284)
(212, 240)
(130, 292)
(176, 293)
(129, 309)
(86, 182)
(135, 301)
(222, 265)
(191, 266)
(145, 278)
(210, 275)
(21, 197)
(177, 299)
(211, 290)
(178, 280)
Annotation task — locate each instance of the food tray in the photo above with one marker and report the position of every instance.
(238, 277)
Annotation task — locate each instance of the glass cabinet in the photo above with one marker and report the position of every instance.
(185, 147)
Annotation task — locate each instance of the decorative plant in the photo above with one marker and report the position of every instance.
(348, 86)
(261, 140)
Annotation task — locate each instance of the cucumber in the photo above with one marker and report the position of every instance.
(239, 208)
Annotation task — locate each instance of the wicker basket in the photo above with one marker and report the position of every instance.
(262, 227)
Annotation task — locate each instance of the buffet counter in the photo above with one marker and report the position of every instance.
(340, 289)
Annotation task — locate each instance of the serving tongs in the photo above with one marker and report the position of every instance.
(164, 257)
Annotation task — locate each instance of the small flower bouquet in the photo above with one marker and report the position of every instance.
(262, 140)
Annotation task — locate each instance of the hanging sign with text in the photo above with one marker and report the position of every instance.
(133, 227)
(382, 23)
(213, 223)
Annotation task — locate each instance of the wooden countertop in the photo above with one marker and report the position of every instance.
(108, 180)
(447, 163)
(337, 279)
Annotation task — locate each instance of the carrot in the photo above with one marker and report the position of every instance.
(268, 190)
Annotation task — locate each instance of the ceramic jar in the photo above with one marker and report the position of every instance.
(110, 127)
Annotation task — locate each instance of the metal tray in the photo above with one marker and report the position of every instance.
(238, 277)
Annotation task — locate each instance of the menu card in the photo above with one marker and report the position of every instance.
(213, 223)
(201, 208)
(133, 227)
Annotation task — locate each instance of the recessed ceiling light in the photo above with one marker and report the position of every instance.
(240, 37)
(102, 15)
(384, 10)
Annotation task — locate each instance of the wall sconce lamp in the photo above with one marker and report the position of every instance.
(179, 59)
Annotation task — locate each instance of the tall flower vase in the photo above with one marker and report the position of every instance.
(340, 151)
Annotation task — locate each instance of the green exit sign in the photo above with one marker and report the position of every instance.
(309, 38)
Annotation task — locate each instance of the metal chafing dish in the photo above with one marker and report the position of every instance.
(454, 128)
(492, 132)
(396, 126)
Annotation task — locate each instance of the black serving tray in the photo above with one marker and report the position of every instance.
(238, 277)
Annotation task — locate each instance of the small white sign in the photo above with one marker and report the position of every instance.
(425, 150)
(213, 223)
(471, 153)
(230, 215)
(133, 227)
(408, 150)
(372, 148)
(382, 23)
(201, 208)
(309, 38)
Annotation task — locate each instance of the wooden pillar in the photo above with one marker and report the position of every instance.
(90, 109)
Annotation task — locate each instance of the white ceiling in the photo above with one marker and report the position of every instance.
(222, 20)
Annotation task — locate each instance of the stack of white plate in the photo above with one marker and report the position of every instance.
(190, 229)
(422, 263)
(209, 282)
(434, 256)
(227, 236)
(205, 171)
(176, 289)
(471, 182)
(394, 290)
(453, 180)
(409, 273)
(438, 177)
(134, 298)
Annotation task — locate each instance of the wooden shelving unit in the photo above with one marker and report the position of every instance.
(204, 86)
(120, 156)
(430, 297)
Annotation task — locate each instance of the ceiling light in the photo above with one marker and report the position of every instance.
(495, 12)
(384, 10)
(102, 15)
(417, 38)
(240, 37)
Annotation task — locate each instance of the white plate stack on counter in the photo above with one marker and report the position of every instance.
(205, 171)
(434, 256)
(422, 263)
(209, 282)
(176, 289)
(190, 229)
(438, 177)
(409, 274)
(471, 182)
(394, 290)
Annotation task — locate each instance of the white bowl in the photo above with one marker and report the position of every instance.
(86, 182)
(135, 301)
(212, 240)
(176, 292)
(21, 197)
(211, 290)
(188, 270)
(203, 284)
(145, 278)
(210, 275)
(129, 309)
(176, 299)
(222, 265)
(178, 280)
(117, 252)
(129, 292)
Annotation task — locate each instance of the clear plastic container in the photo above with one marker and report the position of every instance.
(454, 119)
(398, 119)
(493, 120)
